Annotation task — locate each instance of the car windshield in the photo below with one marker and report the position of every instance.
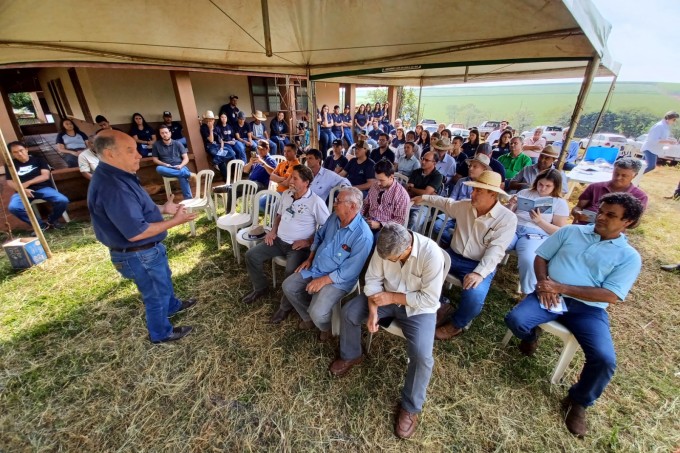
(553, 129)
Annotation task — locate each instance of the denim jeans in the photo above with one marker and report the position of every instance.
(316, 307)
(348, 136)
(49, 194)
(590, 326)
(419, 333)
(325, 140)
(151, 273)
(650, 158)
(183, 175)
(525, 242)
(280, 143)
(471, 300)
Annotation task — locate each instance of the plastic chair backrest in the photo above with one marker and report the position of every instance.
(601, 152)
(273, 198)
(638, 177)
(447, 263)
(234, 171)
(425, 221)
(278, 159)
(204, 180)
(247, 189)
(401, 178)
(331, 197)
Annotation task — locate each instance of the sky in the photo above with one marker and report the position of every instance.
(644, 38)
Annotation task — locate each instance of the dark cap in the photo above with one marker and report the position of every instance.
(100, 118)
(166, 113)
(347, 106)
(337, 142)
(233, 96)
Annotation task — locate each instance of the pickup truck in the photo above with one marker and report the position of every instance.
(488, 126)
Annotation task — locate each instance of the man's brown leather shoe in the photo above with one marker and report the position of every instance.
(253, 296)
(528, 348)
(575, 417)
(279, 316)
(447, 331)
(306, 325)
(444, 314)
(341, 367)
(325, 335)
(406, 424)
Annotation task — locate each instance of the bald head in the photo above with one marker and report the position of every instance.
(117, 149)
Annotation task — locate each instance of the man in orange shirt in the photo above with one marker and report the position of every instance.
(283, 171)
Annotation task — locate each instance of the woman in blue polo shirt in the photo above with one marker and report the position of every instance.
(143, 134)
(360, 121)
(377, 111)
(326, 135)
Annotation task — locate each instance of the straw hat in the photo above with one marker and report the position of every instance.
(443, 144)
(489, 180)
(482, 159)
(208, 115)
(550, 152)
(258, 115)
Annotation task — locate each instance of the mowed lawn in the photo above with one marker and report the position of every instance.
(77, 373)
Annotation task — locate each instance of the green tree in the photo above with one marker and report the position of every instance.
(634, 122)
(377, 95)
(522, 120)
(21, 100)
(408, 105)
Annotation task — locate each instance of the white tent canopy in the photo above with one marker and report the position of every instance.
(377, 42)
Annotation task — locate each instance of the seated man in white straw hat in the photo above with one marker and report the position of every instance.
(259, 131)
(525, 178)
(484, 230)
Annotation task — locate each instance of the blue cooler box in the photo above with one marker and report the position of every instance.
(24, 252)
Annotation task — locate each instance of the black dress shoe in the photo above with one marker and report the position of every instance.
(186, 304)
(177, 333)
(222, 189)
(253, 296)
(279, 316)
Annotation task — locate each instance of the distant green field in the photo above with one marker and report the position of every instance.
(538, 104)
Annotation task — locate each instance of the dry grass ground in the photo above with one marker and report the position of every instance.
(77, 374)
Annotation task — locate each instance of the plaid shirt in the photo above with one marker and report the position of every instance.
(391, 206)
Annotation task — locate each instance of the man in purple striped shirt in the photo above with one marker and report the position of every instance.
(387, 200)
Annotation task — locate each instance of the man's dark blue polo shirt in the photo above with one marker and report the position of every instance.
(120, 208)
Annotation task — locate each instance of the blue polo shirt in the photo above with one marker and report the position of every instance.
(361, 119)
(120, 208)
(337, 118)
(577, 256)
(259, 174)
(340, 252)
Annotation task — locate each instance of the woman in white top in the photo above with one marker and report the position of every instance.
(534, 226)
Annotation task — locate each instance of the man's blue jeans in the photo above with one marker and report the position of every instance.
(471, 300)
(49, 194)
(590, 326)
(650, 159)
(151, 273)
(240, 151)
(348, 136)
(183, 175)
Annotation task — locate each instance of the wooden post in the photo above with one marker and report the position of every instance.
(184, 94)
(604, 107)
(8, 121)
(392, 99)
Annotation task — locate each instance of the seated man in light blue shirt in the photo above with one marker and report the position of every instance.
(581, 269)
(408, 161)
(338, 254)
(570, 161)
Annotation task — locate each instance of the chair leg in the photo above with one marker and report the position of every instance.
(218, 237)
(273, 274)
(66, 218)
(192, 225)
(234, 247)
(506, 338)
(370, 340)
(570, 347)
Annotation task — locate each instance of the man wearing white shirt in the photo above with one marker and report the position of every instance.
(494, 136)
(403, 281)
(299, 214)
(324, 179)
(658, 136)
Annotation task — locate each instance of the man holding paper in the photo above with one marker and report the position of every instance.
(580, 271)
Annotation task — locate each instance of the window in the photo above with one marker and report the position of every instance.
(267, 98)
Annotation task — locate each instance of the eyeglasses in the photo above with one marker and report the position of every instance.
(426, 160)
(338, 201)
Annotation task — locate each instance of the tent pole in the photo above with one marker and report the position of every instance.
(311, 108)
(605, 104)
(7, 156)
(420, 94)
(267, 28)
(588, 78)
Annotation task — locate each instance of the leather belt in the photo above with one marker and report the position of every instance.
(135, 249)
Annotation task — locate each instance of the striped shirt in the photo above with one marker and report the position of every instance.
(391, 206)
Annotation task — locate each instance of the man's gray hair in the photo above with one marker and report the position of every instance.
(102, 142)
(355, 196)
(629, 163)
(393, 240)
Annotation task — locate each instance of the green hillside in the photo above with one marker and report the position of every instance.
(531, 105)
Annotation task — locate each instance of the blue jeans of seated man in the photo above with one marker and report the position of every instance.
(650, 159)
(316, 307)
(471, 300)
(239, 149)
(347, 134)
(57, 200)
(525, 242)
(590, 326)
(183, 175)
(151, 273)
(419, 333)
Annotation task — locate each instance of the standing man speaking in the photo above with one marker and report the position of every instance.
(131, 225)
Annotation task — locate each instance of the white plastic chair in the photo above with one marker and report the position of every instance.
(278, 158)
(425, 220)
(337, 308)
(234, 221)
(331, 197)
(568, 350)
(166, 183)
(280, 261)
(234, 173)
(401, 178)
(202, 199)
(638, 177)
(271, 205)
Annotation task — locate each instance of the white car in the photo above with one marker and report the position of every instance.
(607, 140)
(550, 133)
(462, 132)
